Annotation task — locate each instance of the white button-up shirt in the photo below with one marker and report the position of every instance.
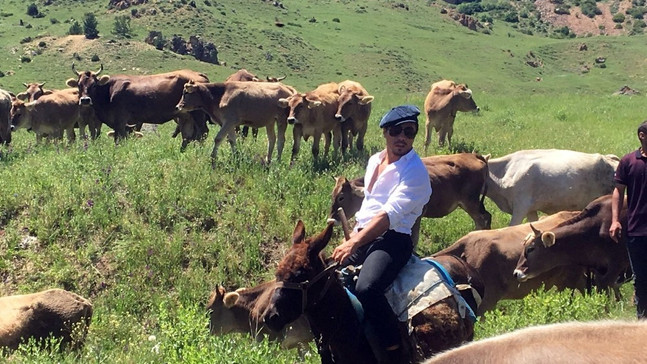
(401, 190)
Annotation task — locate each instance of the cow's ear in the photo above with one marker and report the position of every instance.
(22, 96)
(340, 90)
(548, 238)
(103, 80)
(72, 82)
(299, 234)
(283, 102)
(313, 104)
(466, 94)
(366, 100)
(30, 105)
(230, 299)
(189, 87)
(47, 92)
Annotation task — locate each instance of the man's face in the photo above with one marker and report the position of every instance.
(399, 138)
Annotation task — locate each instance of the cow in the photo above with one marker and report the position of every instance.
(244, 75)
(494, 255)
(353, 111)
(53, 312)
(242, 310)
(598, 342)
(442, 103)
(35, 90)
(234, 103)
(123, 100)
(313, 114)
(457, 180)
(5, 110)
(548, 180)
(50, 115)
(582, 241)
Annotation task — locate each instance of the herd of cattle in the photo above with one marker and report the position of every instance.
(571, 187)
(337, 111)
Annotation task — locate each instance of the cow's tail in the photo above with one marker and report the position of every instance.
(486, 172)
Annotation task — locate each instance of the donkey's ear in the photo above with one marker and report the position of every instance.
(299, 234)
(319, 242)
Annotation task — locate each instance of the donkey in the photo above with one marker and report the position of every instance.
(306, 286)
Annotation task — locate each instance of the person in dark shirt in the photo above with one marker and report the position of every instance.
(631, 175)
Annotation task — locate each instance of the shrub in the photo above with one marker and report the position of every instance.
(637, 12)
(562, 10)
(75, 28)
(122, 26)
(32, 10)
(619, 18)
(53, 21)
(590, 9)
(469, 8)
(90, 26)
(95, 58)
(511, 17)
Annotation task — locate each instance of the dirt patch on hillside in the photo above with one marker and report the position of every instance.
(581, 24)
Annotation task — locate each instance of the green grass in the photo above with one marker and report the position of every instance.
(145, 231)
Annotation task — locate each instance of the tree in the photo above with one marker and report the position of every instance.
(90, 26)
(75, 28)
(32, 10)
(122, 26)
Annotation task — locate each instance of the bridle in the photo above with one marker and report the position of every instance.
(305, 285)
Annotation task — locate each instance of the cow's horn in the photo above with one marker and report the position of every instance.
(41, 84)
(24, 84)
(281, 78)
(100, 69)
(74, 70)
(534, 230)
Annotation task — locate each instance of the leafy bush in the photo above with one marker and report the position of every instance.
(563, 9)
(469, 8)
(511, 17)
(637, 12)
(619, 18)
(122, 26)
(590, 9)
(53, 21)
(75, 28)
(90, 26)
(32, 10)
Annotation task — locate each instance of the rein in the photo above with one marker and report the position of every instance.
(304, 286)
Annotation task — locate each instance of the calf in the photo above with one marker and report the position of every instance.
(241, 311)
(548, 180)
(53, 312)
(494, 255)
(599, 342)
(457, 180)
(581, 241)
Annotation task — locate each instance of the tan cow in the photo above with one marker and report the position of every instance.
(443, 101)
(582, 241)
(313, 114)
(242, 310)
(5, 120)
(599, 342)
(353, 111)
(457, 180)
(34, 91)
(53, 312)
(240, 103)
(50, 115)
(495, 253)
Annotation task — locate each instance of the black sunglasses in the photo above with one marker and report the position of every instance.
(409, 132)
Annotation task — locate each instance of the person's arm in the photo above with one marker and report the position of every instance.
(617, 200)
(376, 227)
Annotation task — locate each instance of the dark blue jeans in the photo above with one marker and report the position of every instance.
(381, 262)
(637, 249)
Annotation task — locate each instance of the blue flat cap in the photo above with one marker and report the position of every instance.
(400, 114)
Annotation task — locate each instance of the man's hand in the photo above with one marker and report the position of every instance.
(615, 231)
(343, 251)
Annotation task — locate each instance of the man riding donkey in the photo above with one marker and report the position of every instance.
(398, 189)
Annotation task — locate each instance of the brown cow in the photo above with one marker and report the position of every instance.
(581, 241)
(600, 342)
(53, 312)
(50, 115)
(443, 101)
(242, 310)
(353, 111)
(457, 180)
(33, 92)
(313, 114)
(494, 255)
(234, 103)
(123, 100)
(5, 121)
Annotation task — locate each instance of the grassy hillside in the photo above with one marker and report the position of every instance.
(145, 231)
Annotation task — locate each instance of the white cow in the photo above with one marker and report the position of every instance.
(548, 180)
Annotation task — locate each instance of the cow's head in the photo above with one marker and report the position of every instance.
(347, 195)
(87, 82)
(349, 102)
(535, 255)
(219, 307)
(33, 92)
(191, 99)
(464, 100)
(298, 277)
(300, 106)
(19, 114)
